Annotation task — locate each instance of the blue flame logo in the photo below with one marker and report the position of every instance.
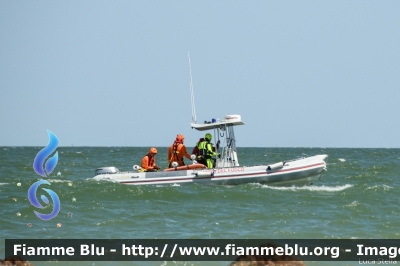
(32, 198)
(49, 166)
(44, 153)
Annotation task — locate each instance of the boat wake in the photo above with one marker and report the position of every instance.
(311, 188)
(169, 185)
(101, 179)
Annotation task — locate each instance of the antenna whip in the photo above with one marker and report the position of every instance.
(191, 93)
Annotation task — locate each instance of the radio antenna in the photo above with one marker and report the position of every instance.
(192, 94)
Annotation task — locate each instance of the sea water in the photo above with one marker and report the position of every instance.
(357, 198)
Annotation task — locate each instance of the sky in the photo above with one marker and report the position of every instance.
(116, 73)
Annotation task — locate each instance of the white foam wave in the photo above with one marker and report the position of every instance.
(311, 188)
(385, 187)
(168, 185)
(58, 181)
(2, 184)
(102, 179)
(353, 204)
(342, 160)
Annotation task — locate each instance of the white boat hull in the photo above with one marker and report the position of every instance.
(304, 171)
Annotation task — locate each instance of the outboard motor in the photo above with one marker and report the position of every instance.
(106, 170)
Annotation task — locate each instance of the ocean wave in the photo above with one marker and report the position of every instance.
(353, 204)
(312, 188)
(342, 160)
(58, 181)
(109, 222)
(385, 187)
(2, 184)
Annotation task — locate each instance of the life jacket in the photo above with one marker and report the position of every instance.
(203, 149)
(196, 148)
(175, 152)
(150, 161)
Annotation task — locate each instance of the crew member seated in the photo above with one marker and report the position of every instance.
(149, 161)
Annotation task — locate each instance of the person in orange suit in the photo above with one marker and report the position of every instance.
(149, 161)
(177, 151)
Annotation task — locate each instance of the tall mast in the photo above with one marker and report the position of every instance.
(192, 94)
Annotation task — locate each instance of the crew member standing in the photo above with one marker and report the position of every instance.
(177, 151)
(206, 151)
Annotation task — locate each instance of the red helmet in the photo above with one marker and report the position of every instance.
(153, 150)
(180, 137)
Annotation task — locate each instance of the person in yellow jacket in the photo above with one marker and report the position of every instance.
(149, 161)
(177, 151)
(206, 151)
